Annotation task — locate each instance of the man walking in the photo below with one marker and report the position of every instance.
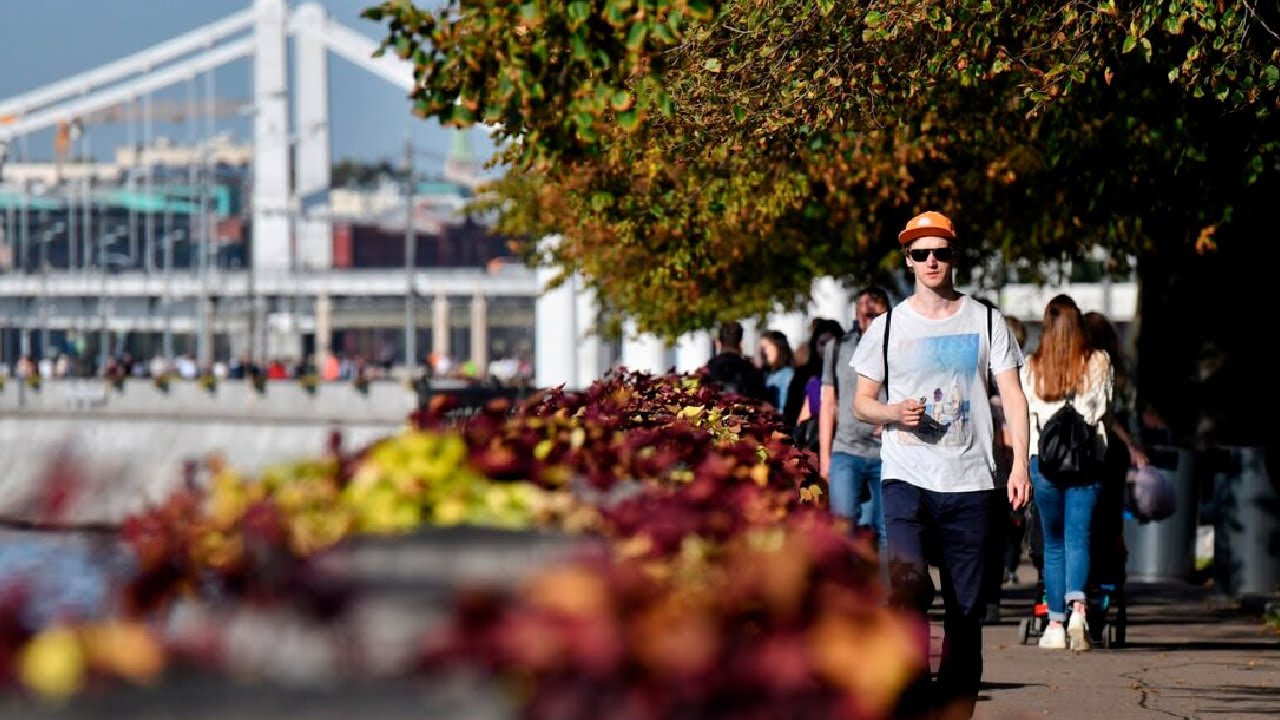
(729, 369)
(931, 354)
(848, 449)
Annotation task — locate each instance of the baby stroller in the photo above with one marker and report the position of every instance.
(1107, 615)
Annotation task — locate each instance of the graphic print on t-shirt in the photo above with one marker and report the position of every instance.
(945, 366)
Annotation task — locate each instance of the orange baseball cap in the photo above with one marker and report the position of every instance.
(927, 224)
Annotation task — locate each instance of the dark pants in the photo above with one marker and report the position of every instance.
(1013, 545)
(948, 530)
(1004, 540)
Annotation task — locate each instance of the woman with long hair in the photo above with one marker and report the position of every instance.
(777, 362)
(1065, 369)
(1100, 334)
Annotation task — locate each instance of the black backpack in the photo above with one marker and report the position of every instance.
(1068, 448)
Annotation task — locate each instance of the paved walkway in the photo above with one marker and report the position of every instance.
(1187, 655)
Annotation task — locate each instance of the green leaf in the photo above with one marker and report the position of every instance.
(530, 13)
(665, 105)
(629, 120)
(635, 38)
(578, 13)
(615, 15)
(874, 19)
(1271, 74)
(601, 97)
(662, 34)
(700, 10)
(1130, 42)
(622, 100)
(578, 48)
(711, 65)
(601, 200)
(464, 116)
(739, 114)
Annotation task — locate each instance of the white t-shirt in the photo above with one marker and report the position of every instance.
(944, 362)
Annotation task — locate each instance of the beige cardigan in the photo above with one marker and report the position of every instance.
(1094, 403)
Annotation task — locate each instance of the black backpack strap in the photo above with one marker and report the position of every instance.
(888, 318)
(991, 377)
(835, 365)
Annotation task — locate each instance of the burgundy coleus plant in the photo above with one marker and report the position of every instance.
(782, 623)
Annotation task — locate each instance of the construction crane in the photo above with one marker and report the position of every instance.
(166, 110)
(170, 111)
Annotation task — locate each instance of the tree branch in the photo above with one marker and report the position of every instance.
(1254, 14)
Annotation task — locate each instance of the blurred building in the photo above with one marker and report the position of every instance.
(225, 250)
(152, 250)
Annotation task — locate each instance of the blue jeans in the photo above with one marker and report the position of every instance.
(846, 479)
(948, 530)
(1066, 514)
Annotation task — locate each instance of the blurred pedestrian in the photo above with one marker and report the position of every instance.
(1100, 334)
(824, 332)
(776, 360)
(1008, 526)
(729, 369)
(849, 449)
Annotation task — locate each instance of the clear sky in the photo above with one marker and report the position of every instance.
(47, 40)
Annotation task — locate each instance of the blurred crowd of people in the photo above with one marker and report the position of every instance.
(334, 368)
(788, 379)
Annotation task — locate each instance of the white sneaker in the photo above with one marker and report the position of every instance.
(1078, 632)
(1054, 637)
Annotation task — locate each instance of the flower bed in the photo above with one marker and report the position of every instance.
(710, 581)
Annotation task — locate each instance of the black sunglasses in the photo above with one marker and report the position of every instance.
(944, 254)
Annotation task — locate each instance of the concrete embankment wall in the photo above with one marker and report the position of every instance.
(127, 448)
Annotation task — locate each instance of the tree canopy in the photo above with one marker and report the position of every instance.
(704, 159)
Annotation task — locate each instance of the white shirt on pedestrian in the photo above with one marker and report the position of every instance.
(944, 363)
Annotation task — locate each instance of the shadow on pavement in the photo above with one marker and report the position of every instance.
(1203, 645)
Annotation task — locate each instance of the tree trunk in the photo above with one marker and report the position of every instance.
(1203, 320)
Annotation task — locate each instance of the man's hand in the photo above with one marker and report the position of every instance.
(910, 412)
(1019, 488)
(1137, 458)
